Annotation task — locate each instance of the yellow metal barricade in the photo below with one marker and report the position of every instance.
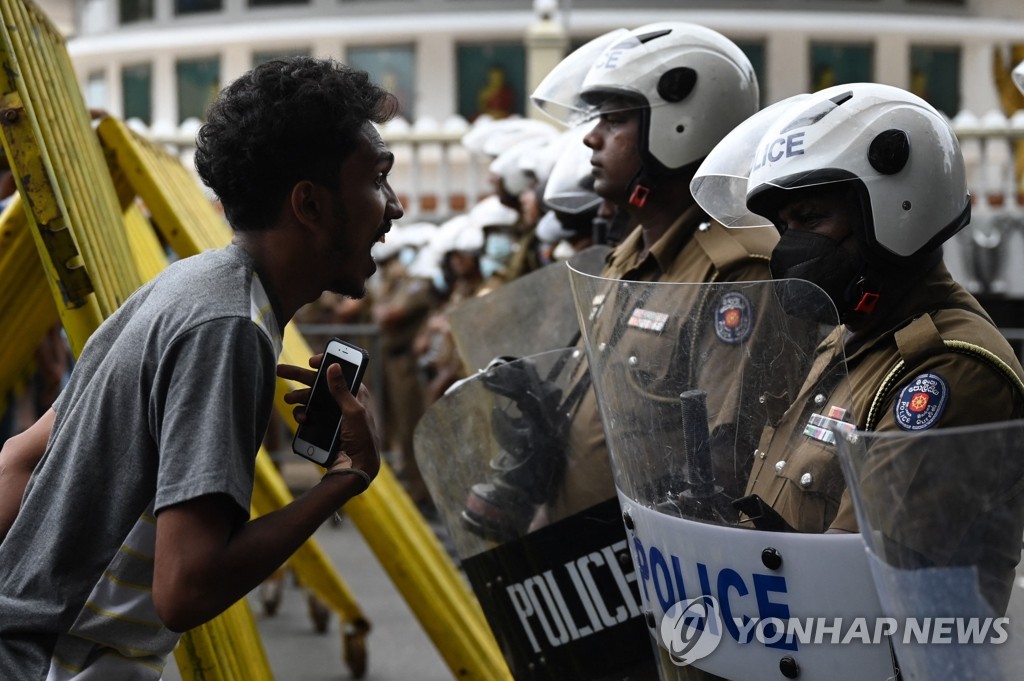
(184, 216)
(25, 301)
(224, 648)
(59, 172)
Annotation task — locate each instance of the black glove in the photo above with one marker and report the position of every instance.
(531, 462)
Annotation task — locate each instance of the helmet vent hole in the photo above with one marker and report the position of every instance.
(889, 151)
(680, 128)
(676, 84)
(906, 205)
(653, 35)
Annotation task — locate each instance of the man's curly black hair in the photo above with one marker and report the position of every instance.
(284, 121)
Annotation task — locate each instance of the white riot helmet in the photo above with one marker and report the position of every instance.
(570, 187)
(491, 213)
(490, 138)
(901, 153)
(692, 83)
(528, 163)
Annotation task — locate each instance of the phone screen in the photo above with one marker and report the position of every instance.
(322, 412)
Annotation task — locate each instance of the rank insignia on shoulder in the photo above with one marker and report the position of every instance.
(820, 426)
(734, 318)
(921, 403)
(648, 320)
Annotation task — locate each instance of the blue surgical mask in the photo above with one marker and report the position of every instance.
(489, 266)
(440, 283)
(499, 247)
(407, 255)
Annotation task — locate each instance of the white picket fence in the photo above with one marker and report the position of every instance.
(988, 256)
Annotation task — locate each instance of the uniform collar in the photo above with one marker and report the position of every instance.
(665, 249)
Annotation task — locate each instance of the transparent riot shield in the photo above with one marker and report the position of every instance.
(561, 599)
(942, 514)
(529, 315)
(687, 377)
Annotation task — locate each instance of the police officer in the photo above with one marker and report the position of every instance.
(572, 206)
(864, 183)
(662, 95)
(458, 246)
(401, 307)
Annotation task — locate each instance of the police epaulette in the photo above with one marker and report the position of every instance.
(726, 251)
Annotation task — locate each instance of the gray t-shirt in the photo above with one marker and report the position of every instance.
(169, 401)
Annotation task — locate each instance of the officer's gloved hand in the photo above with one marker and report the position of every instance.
(531, 461)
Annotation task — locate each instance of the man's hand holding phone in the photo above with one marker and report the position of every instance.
(357, 443)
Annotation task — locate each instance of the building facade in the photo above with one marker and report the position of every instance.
(160, 60)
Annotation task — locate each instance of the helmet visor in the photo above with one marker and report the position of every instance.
(720, 184)
(558, 95)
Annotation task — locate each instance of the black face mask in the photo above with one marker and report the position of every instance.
(818, 259)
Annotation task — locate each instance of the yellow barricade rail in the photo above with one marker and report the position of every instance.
(58, 169)
(388, 520)
(171, 194)
(81, 240)
(25, 302)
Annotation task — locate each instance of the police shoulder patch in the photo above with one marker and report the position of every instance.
(921, 403)
(734, 317)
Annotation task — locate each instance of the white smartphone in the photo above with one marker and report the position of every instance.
(317, 438)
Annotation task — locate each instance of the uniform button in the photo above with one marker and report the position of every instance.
(704, 226)
(633, 361)
(602, 347)
(806, 479)
(819, 399)
(575, 354)
(758, 453)
(779, 466)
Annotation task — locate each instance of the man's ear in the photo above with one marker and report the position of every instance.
(307, 202)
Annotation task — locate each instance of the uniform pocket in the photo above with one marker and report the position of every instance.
(813, 486)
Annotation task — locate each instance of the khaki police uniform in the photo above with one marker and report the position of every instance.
(404, 401)
(694, 249)
(941, 362)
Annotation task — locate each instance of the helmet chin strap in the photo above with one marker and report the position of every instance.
(863, 294)
(869, 298)
(640, 189)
